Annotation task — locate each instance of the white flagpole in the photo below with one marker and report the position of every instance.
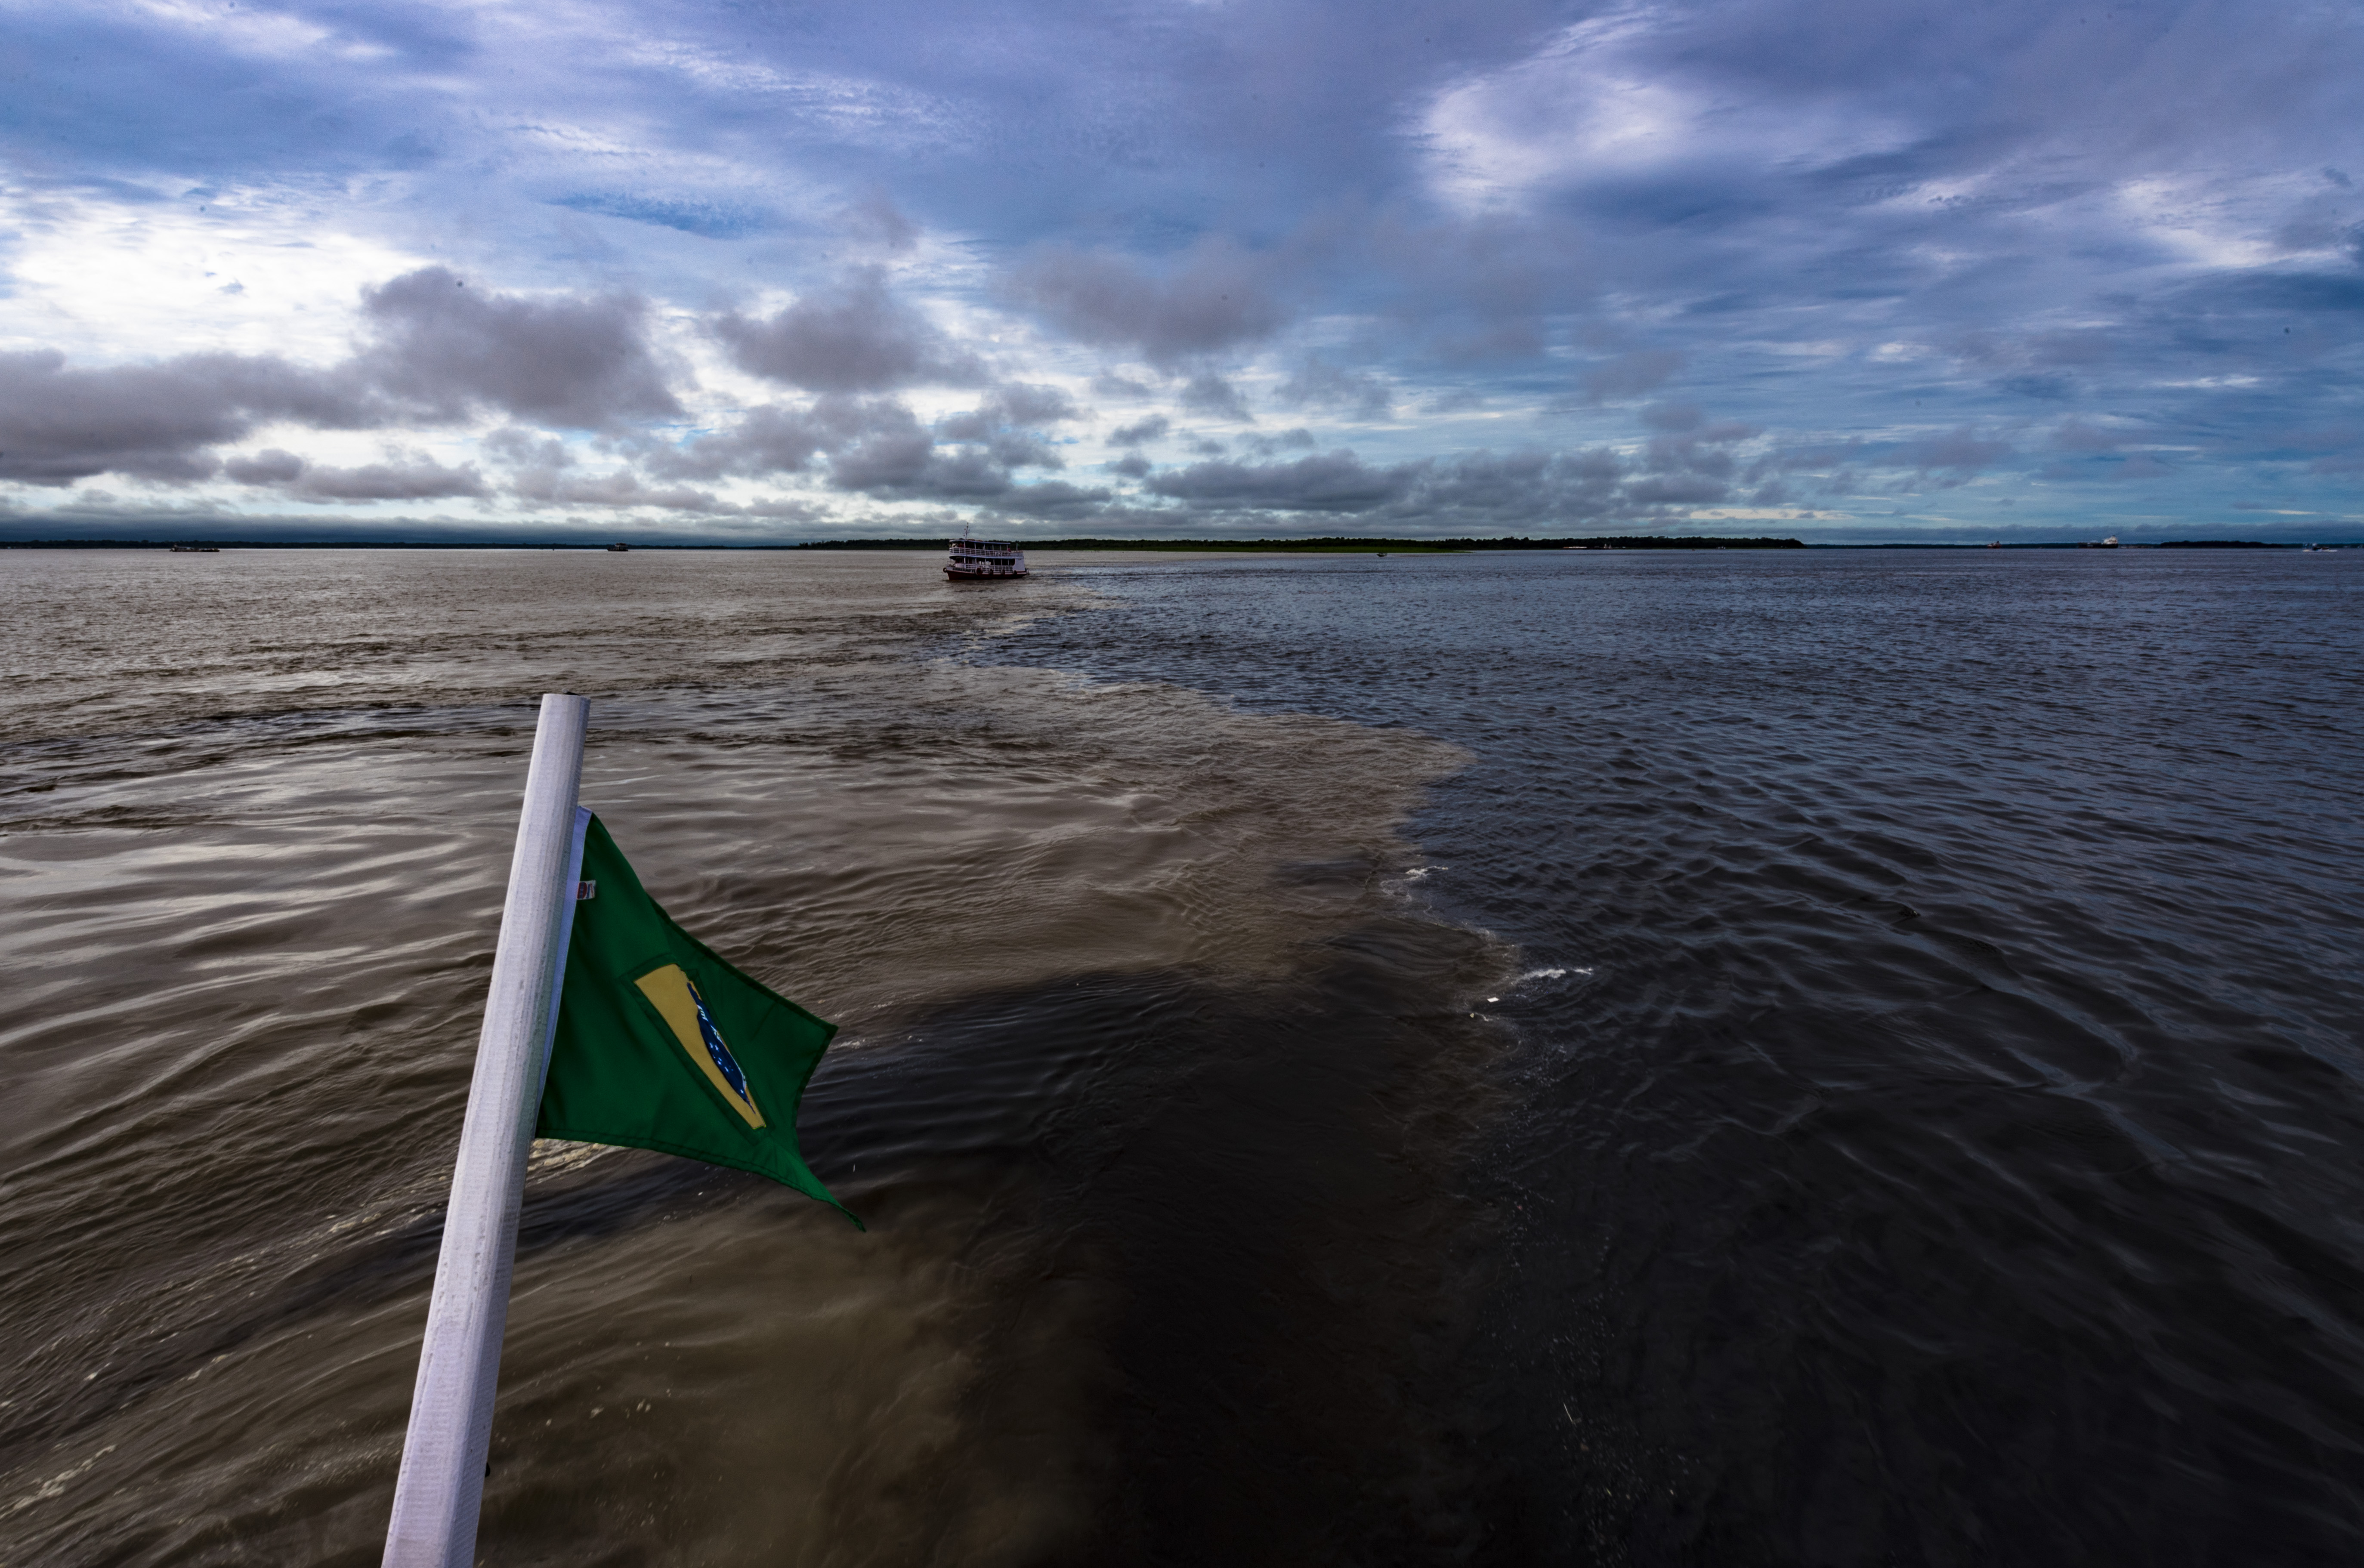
(442, 1479)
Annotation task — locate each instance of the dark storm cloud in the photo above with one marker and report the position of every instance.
(1483, 493)
(784, 438)
(582, 363)
(878, 447)
(407, 477)
(1051, 499)
(157, 421)
(1214, 298)
(1296, 439)
(439, 353)
(1211, 395)
(1691, 490)
(1140, 431)
(1475, 494)
(618, 488)
(1831, 212)
(1014, 406)
(852, 336)
(1327, 482)
(911, 468)
(1692, 461)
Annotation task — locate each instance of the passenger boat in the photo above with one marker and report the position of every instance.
(983, 559)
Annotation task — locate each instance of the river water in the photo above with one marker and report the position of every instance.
(1836, 1057)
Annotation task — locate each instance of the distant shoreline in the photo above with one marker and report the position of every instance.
(1325, 546)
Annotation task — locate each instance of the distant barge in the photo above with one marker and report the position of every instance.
(983, 559)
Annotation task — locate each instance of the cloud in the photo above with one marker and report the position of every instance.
(156, 421)
(1954, 458)
(1480, 493)
(1833, 214)
(1329, 482)
(1216, 297)
(776, 438)
(619, 488)
(852, 336)
(2083, 436)
(1482, 288)
(2338, 446)
(2141, 465)
(411, 476)
(271, 466)
(1657, 490)
(2050, 388)
(1209, 394)
(872, 219)
(1492, 493)
(1692, 450)
(710, 219)
(877, 446)
(1298, 437)
(1011, 405)
(580, 364)
(906, 466)
(1051, 498)
(437, 353)
(1632, 375)
(1140, 431)
(1319, 383)
(1005, 426)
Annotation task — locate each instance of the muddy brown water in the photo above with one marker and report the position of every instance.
(1152, 1081)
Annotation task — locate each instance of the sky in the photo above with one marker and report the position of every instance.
(1838, 270)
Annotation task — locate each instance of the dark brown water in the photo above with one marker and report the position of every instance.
(1831, 1057)
(1934, 1132)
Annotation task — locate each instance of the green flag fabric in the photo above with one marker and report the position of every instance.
(662, 1045)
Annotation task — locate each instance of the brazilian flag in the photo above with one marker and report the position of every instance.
(662, 1045)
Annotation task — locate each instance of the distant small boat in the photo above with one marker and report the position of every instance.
(1996, 545)
(984, 560)
(2108, 543)
(618, 548)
